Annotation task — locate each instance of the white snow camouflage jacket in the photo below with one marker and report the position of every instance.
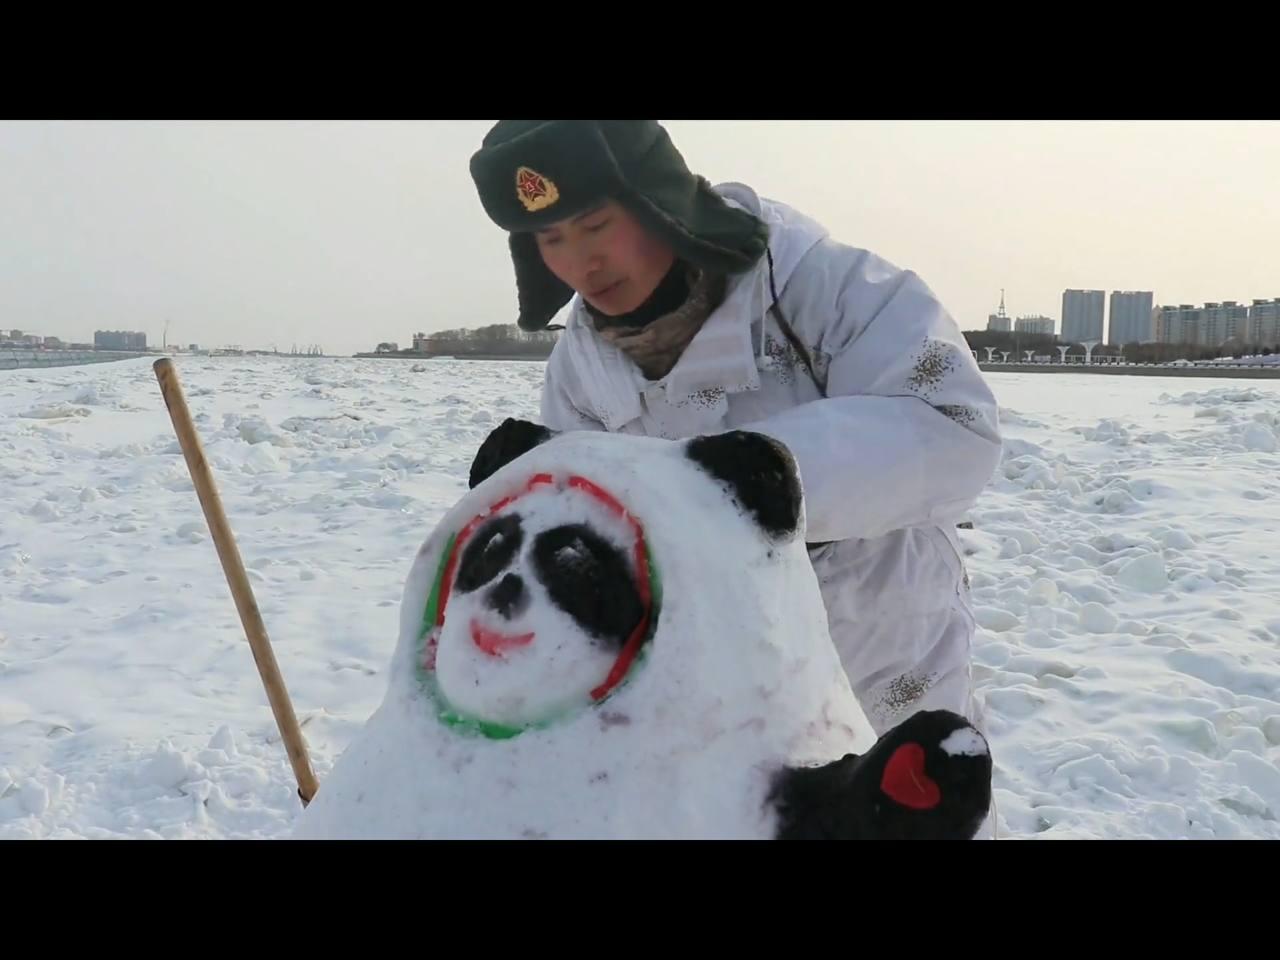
(890, 459)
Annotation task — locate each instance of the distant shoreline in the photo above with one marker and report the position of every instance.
(441, 356)
(1132, 370)
(47, 359)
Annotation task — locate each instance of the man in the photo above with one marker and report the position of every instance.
(694, 310)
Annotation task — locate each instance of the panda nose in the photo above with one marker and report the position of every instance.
(508, 597)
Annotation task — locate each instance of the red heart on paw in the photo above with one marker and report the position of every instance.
(906, 782)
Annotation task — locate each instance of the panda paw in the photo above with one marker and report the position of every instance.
(932, 777)
(929, 778)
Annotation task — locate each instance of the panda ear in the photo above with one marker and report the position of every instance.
(510, 440)
(761, 473)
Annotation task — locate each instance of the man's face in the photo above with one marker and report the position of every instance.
(607, 257)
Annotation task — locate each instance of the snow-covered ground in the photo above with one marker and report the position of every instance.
(1125, 565)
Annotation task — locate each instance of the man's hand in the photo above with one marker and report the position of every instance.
(510, 440)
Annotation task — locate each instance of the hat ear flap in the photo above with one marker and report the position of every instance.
(698, 224)
(541, 292)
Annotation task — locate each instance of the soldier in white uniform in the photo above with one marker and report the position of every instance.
(690, 309)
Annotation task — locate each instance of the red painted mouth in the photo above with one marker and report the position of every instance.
(496, 644)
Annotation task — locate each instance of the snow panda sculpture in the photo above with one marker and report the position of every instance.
(622, 637)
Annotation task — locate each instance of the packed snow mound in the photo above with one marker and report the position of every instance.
(518, 705)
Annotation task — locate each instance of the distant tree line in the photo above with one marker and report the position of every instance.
(498, 339)
(1164, 352)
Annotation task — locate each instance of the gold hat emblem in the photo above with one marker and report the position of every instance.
(535, 191)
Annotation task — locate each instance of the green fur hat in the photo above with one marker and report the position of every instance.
(533, 173)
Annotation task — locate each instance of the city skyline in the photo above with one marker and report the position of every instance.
(1213, 323)
(345, 233)
(1133, 316)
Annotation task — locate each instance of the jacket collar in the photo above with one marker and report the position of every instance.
(723, 354)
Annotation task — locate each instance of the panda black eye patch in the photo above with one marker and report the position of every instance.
(588, 578)
(490, 552)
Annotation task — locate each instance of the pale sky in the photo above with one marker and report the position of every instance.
(347, 233)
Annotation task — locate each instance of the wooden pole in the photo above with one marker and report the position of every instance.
(237, 579)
